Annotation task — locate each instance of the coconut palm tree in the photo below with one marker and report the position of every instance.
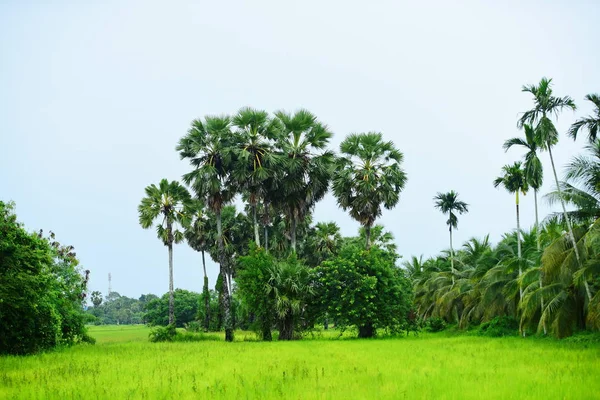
(368, 176)
(515, 181)
(448, 203)
(305, 169)
(255, 157)
(166, 203)
(547, 105)
(208, 147)
(197, 237)
(581, 187)
(591, 123)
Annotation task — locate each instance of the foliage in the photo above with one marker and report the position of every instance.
(163, 333)
(41, 291)
(500, 326)
(364, 288)
(186, 308)
(435, 324)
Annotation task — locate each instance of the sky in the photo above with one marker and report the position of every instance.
(94, 97)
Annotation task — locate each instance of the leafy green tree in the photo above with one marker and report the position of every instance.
(368, 176)
(186, 308)
(448, 203)
(208, 147)
(545, 106)
(41, 292)
(514, 181)
(165, 203)
(322, 243)
(591, 123)
(305, 168)
(364, 288)
(197, 237)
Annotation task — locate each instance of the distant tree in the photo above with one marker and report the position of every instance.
(96, 298)
(448, 203)
(591, 123)
(186, 308)
(166, 204)
(368, 176)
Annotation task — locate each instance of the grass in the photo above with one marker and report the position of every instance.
(124, 365)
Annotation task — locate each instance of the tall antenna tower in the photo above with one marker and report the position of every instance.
(109, 284)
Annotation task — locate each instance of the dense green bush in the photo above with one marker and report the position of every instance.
(41, 290)
(435, 324)
(500, 326)
(163, 333)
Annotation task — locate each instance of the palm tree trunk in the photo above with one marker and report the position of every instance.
(293, 233)
(519, 245)
(206, 294)
(571, 236)
(539, 248)
(225, 299)
(368, 236)
(266, 225)
(254, 219)
(451, 256)
(171, 296)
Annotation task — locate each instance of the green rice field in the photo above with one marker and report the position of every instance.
(125, 365)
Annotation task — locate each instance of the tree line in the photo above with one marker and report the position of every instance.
(547, 278)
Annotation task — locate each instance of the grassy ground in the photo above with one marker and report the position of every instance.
(124, 365)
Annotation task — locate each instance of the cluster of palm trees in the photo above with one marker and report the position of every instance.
(280, 166)
(548, 277)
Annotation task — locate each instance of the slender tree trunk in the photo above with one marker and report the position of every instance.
(451, 257)
(368, 236)
(171, 295)
(539, 248)
(266, 239)
(255, 221)
(293, 233)
(225, 299)
(266, 225)
(206, 294)
(286, 332)
(519, 245)
(571, 236)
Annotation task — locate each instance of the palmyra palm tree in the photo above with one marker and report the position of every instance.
(591, 123)
(448, 203)
(514, 181)
(166, 203)
(208, 147)
(368, 176)
(305, 168)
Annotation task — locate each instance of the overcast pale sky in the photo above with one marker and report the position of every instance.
(93, 99)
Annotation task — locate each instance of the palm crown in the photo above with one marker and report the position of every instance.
(590, 123)
(448, 203)
(532, 165)
(513, 179)
(167, 200)
(368, 176)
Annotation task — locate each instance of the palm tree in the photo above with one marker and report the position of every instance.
(581, 187)
(514, 181)
(368, 176)
(254, 154)
(448, 203)
(323, 243)
(591, 123)
(166, 203)
(305, 168)
(546, 105)
(208, 147)
(198, 238)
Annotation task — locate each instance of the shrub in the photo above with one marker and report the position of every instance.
(435, 324)
(194, 337)
(163, 333)
(500, 326)
(193, 326)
